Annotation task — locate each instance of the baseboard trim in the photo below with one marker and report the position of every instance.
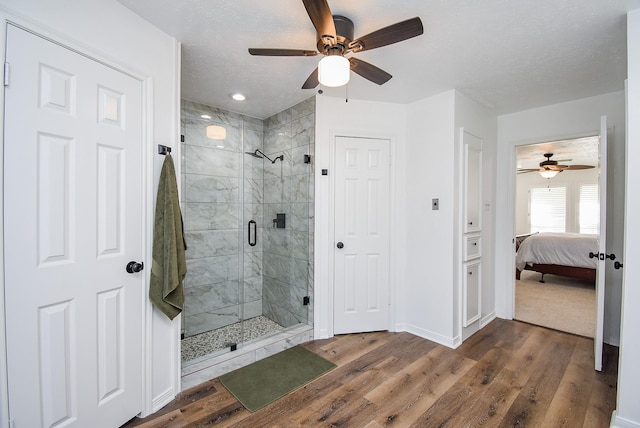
(487, 319)
(162, 400)
(619, 422)
(450, 342)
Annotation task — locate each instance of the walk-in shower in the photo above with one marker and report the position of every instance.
(249, 272)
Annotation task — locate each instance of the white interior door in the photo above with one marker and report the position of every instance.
(361, 280)
(73, 219)
(602, 247)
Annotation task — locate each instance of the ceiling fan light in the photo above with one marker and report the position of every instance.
(333, 71)
(216, 132)
(548, 173)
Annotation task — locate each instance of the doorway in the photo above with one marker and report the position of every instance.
(73, 220)
(557, 198)
(362, 235)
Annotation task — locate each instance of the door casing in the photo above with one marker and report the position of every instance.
(149, 404)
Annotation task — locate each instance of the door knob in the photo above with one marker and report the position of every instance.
(340, 245)
(617, 265)
(133, 267)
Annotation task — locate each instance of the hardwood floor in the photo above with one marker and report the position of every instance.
(510, 374)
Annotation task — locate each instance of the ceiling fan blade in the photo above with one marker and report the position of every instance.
(322, 19)
(392, 34)
(579, 167)
(281, 52)
(312, 80)
(369, 71)
(525, 170)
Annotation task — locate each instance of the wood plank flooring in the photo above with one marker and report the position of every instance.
(510, 374)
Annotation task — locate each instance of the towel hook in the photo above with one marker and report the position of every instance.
(163, 150)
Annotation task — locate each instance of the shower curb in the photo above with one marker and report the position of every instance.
(250, 352)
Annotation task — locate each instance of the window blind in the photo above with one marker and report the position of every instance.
(548, 209)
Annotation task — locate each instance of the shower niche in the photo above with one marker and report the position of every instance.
(247, 203)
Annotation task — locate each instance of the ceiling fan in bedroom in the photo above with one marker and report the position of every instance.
(336, 39)
(549, 168)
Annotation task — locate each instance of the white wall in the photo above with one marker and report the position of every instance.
(106, 30)
(627, 412)
(335, 117)
(559, 121)
(427, 305)
(571, 180)
(431, 293)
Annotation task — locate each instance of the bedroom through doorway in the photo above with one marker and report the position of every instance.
(557, 220)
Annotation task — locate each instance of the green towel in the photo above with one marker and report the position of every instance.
(168, 266)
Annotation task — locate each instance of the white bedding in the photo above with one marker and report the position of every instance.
(565, 249)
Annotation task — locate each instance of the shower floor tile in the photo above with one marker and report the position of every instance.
(205, 343)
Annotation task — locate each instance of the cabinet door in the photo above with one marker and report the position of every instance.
(471, 290)
(472, 249)
(472, 147)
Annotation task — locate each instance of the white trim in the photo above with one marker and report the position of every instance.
(4, 384)
(450, 342)
(487, 319)
(324, 222)
(392, 215)
(161, 400)
(505, 273)
(618, 422)
(36, 28)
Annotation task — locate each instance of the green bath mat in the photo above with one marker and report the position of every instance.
(264, 381)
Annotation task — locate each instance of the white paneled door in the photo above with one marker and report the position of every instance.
(73, 220)
(361, 229)
(598, 338)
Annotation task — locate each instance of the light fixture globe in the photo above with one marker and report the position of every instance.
(548, 173)
(333, 71)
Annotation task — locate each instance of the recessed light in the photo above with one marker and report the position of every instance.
(205, 116)
(238, 97)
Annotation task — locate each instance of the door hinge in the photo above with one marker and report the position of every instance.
(6, 74)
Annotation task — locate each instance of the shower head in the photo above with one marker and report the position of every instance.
(255, 154)
(258, 154)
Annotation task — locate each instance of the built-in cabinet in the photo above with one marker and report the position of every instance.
(471, 228)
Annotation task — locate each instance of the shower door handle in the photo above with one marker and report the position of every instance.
(252, 242)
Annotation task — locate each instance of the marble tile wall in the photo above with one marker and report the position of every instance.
(223, 188)
(288, 188)
(216, 204)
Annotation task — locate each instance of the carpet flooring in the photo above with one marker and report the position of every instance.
(561, 303)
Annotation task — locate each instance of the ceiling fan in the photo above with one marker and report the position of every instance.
(549, 168)
(335, 39)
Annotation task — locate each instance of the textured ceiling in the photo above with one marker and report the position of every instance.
(576, 151)
(510, 55)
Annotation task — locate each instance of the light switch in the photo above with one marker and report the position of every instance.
(435, 204)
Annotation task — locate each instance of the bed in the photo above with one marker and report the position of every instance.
(565, 254)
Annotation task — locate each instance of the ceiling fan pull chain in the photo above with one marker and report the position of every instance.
(346, 93)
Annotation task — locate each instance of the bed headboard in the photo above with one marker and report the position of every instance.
(520, 238)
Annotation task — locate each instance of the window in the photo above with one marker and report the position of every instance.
(589, 209)
(548, 209)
